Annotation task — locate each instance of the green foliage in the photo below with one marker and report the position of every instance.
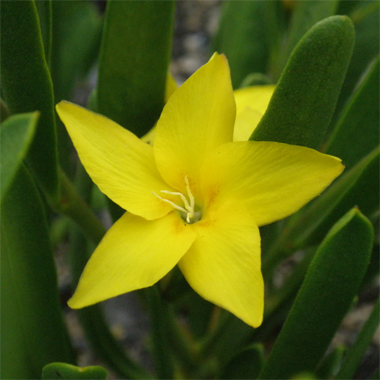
(44, 10)
(330, 285)
(32, 329)
(76, 42)
(357, 131)
(16, 135)
(330, 364)
(27, 87)
(67, 371)
(357, 351)
(304, 16)
(366, 18)
(134, 61)
(304, 101)
(247, 364)
(76, 31)
(241, 36)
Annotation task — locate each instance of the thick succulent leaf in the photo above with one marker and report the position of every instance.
(29, 284)
(68, 371)
(14, 361)
(159, 333)
(133, 66)
(357, 351)
(44, 9)
(331, 283)
(366, 18)
(77, 30)
(76, 42)
(331, 363)
(357, 131)
(16, 134)
(304, 16)
(242, 38)
(346, 6)
(27, 87)
(247, 364)
(304, 100)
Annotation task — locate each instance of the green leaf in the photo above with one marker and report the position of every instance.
(67, 371)
(159, 333)
(330, 285)
(247, 364)
(357, 131)
(45, 18)
(15, 362)
(4, 112)
(255, 79)
(357, 351)
(305, 15)
(346, 6)
(366, 18)
(76, 42)
(16, 135)
(304, 376)
(30, 301)
(330, 364)
(242, 38)
(27, 87)
(134, 61)
(304, 100)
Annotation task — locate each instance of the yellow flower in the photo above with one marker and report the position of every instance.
(194, 199)
(251, 104)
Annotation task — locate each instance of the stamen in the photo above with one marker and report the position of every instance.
(191, 197)
(189, 208)
(171, 203)
(184, 200)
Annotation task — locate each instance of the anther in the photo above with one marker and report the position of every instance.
(170, 202)
(189, 207)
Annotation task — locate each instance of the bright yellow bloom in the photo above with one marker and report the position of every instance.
(251, 104)
(194, 199)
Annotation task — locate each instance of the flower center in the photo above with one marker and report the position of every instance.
(188, 212)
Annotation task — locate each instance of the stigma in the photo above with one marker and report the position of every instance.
(188, 209)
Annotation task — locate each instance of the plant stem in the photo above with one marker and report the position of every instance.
(159, 325)
(72, 205)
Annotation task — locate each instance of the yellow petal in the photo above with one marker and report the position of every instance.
(246, 123)
(255, 97)
(273, 180)
(149, 137)
(251, 104)
(198, 117)
(117, 161)
(135, 253)
(223, 264)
